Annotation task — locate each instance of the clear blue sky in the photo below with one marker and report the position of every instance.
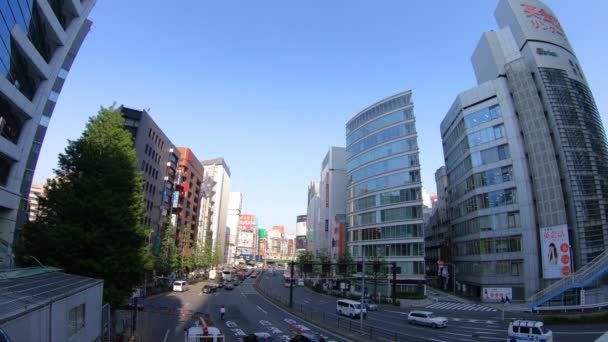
(269, 85)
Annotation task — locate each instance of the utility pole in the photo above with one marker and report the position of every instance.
(362, 286)
(291, 285)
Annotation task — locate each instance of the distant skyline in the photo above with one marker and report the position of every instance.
(269, 86)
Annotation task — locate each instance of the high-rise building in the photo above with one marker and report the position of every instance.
(301, 231)
(384, 189)
(526, 159)
(188, 191)
(313, 212)
(437, 238)
(36, 191)
(214, 209)
(330, 235)
(235, 205)
(40, 40)
(157, 159)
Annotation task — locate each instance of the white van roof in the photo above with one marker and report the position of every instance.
(349, 301)
(524, 323)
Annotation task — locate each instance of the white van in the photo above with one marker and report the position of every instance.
(180, 286)
(349, 308)
(529, 331)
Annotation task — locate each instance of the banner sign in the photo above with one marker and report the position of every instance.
(555, 249)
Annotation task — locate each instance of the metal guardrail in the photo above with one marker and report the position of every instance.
(577, 279)
(571, 307)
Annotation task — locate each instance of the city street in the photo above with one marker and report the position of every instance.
(467, 322)
(246, 312)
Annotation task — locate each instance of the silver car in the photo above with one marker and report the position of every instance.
(427, 318)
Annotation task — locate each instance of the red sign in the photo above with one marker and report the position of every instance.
(541, 19)
(246, 223)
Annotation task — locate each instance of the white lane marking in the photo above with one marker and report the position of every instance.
(492, 338)
(477, 308)
(317, 327)
(451, 333)
(216, 294)
(166, 335)
(262, 310)
(485, 332)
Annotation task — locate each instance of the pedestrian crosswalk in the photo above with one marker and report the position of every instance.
(460, 306)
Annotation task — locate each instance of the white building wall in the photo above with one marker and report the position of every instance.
(217, 221)
(235, 205)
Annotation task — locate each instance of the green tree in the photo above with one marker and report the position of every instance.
(305, 257)
(348, 267)
(167, 259)
(90, 220)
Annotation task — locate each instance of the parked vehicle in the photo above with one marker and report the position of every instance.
(300, 282)
(206, 289)
(427, 318)
(180, 286)
(520, 330)
(370, 306)
(229, 287)
(349, 308)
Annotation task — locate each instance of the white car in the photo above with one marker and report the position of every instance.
(180, 286)
(427, 318)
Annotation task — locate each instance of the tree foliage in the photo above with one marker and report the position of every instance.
(346, 265)
(167, 259)
(90, 220)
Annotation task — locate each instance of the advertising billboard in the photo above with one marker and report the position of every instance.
(496, 294)
(246, 223)
(555, 249)
(301, 242)
(245, 239)
(262, 233)
(175, 198)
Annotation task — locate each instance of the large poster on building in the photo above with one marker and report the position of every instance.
(245, 239)
(496, 294)
(246, 223)
(555, 249)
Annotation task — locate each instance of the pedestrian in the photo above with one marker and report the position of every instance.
(222, 312)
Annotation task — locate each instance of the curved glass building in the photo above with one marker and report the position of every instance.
(384, 203)
(40, 39)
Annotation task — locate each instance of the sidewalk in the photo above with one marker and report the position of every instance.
(437, 294)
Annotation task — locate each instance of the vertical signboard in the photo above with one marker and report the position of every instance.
(555, 249)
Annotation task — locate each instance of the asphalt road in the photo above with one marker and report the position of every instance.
(466, 322)
(246, 312)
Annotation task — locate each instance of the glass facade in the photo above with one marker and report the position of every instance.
(584, 155)
(393, 148)
(382, 155)
(384, 166)
(380, 137)
(383, 121)
(391, 181)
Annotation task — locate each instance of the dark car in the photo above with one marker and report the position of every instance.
(207, 289)
(230, 287)
(307, 338)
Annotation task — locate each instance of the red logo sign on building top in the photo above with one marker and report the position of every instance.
(541, 19)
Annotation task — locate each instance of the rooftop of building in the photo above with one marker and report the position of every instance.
(26, 289)
(217, 161)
